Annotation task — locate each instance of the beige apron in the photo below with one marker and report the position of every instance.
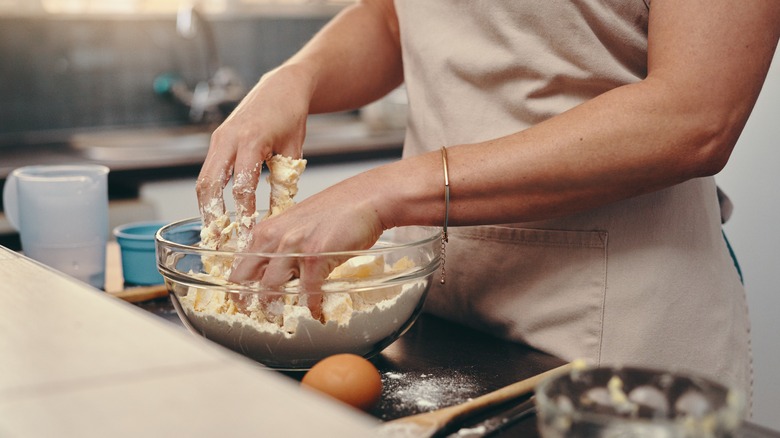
(646, 281)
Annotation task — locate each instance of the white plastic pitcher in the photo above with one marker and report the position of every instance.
(61, 213)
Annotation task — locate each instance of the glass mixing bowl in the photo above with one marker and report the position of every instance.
(636, 403)
(370, 299)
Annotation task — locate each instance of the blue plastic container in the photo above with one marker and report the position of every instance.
(136, 241)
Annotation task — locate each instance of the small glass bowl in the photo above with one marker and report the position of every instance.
(370, 300)
(636, 402)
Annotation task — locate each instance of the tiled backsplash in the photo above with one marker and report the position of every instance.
(62, 74)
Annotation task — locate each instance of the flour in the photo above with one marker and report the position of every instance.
(361, 322)
(423, 392)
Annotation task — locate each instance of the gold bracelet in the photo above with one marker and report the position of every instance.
(444, 236)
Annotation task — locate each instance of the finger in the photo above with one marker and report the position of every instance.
(269, 300)
(279, 271)
(275, 239)
(293, 146)
(214, 176)
(245, 179)
(313, 273)
(209, 192)
(269, 303)
(250, 265)
(215, 172)
(247, 269)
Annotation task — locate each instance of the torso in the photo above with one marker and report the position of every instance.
(624, 283)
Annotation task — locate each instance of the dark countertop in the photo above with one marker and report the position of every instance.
(438, 364)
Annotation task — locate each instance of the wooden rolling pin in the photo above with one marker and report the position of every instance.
(141, 293)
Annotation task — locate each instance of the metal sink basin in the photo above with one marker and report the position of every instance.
(326, 135)
(145, 144)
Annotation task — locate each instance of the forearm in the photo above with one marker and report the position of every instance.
(353, 60)
(680, 123)
(625, 143)
(619, 145)
(610, 148)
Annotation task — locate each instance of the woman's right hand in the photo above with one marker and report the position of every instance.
(353, 60)
(270, 120)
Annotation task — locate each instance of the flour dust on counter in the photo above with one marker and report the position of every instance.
(409, 393)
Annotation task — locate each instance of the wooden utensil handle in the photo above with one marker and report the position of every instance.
(434, 422)
(502, 395)
(141, 293)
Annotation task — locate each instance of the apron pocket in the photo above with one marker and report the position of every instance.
(545, 288)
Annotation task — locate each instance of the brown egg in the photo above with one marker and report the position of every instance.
(346, 377)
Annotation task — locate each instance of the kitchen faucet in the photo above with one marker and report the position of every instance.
(213, 98)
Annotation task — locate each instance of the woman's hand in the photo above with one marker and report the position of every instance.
(352, 61)
(270, 120)
(340, 218)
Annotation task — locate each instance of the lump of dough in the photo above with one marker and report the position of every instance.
(284, 175)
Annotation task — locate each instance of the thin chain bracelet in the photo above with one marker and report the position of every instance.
(444, 236)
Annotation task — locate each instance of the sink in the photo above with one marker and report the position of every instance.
(142, 144)
(325, 135)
